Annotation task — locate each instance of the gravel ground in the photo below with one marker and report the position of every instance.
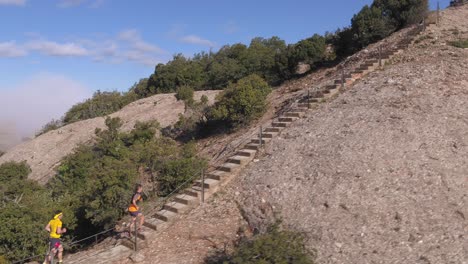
(380, 174)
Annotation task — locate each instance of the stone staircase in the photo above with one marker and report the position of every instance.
(219, 177)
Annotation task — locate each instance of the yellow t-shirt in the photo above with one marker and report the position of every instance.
(54, 224)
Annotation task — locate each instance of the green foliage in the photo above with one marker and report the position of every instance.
(52, 125)
(402, 13)
(280, 247)
(24, 211)
(370, 26)
(242, 102)
(185, 93)
(101, 104)
(463, 44)
(10, 171)
(96, 181)
(310, 51)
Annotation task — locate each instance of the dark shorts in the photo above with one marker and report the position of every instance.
(54, 243)
(135, 214)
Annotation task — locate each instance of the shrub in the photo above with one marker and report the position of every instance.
(273, 247)
(185, 93)
(12, 170)
(241, 103)
(24, 211)
(101, 104)
(96, 181)
(402, 13)
(52, 125)
(463, 44)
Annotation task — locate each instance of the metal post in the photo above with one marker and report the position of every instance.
(342, 78)
(136, 234)
(438, 14)
(203, 186)
(424, 24)
(261, 136)
(308, 98)
(380, 56)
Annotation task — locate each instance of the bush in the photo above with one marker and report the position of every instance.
(185, 93)
(101, 104)
(97, 181)
(463, 44)
(52, 125)
(369, 26)
(273, 247)
(402, 13)
(11, 170)
(241, 103)
(24, 211)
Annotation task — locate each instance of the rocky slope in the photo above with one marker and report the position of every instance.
(379, 175)
(44, 153)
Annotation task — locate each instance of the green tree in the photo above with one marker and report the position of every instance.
(242, 102)
(402, 13)
(369, 26)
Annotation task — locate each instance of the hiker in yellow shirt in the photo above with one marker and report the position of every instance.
(54, 227)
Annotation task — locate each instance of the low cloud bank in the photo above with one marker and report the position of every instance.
(29, 105)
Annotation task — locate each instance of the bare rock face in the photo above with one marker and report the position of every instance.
(380, 174)
(44, 153)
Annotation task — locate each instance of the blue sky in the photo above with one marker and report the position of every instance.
(79, 46)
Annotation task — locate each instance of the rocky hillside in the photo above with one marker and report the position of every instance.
(44, 153)
(380, 174)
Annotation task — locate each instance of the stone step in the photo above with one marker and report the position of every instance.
(333, 86)
(175, 207)
(287, 119)
(143, 235)
(229, 167)
(209, 183)
(191, 192)
(149, 224)
(217, 174)
(273, 129)
(241, 160)
(252, 146)
(186, 199)
(279, 124)
(306, 105)
(247, 152)
(264, 140)
(165, 215)
(269, 134)
(128, 243)
(294, 114)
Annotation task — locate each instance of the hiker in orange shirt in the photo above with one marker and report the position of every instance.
(134, 209)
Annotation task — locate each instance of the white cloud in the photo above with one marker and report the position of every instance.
(133, 37)
(39, 99)
(70, 3)
(193, 39)
(128, 45)
(75, 3)
(13, 2)
(11, 50)
(57, 49)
